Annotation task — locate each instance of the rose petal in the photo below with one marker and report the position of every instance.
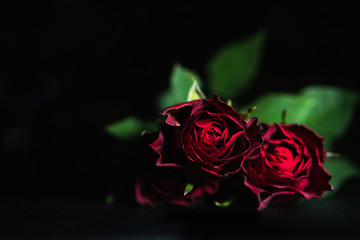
(253, 134)
(177, 114)
(311, 138)
(158, 147)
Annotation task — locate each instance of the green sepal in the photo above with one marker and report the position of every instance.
(188, 188)
(195, 92)
(184, 84)
(225, 203)
(248, 113)
(130, 127)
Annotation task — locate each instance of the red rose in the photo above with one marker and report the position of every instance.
(289, 165)
(167, 185)
(206, 135)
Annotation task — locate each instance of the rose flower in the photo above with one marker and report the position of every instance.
(289, 165)
(168, 185)
(206, 134)
(207, 140)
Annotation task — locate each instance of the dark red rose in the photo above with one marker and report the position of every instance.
(167, 185)
(288, 166)
(206, 135)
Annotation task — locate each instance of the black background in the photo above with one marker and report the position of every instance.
(69, 68)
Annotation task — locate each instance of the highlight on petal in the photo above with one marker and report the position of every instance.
(288, 167)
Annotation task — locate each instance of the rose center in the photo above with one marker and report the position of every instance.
(283, 154)
(284, 159)
(211, 135)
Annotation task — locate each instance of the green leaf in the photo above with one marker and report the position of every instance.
(341, 169)
(182, 82)
(129, 127)
(232, 68)
(225, 203)
(327, 110)
(188, 188)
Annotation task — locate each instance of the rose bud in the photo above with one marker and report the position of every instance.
(288, 166)
(170, 186)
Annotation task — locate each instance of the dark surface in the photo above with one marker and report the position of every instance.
(68, 68)
(62, 219)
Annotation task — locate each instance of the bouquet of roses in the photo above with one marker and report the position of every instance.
(207, 151)
(205, 140)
